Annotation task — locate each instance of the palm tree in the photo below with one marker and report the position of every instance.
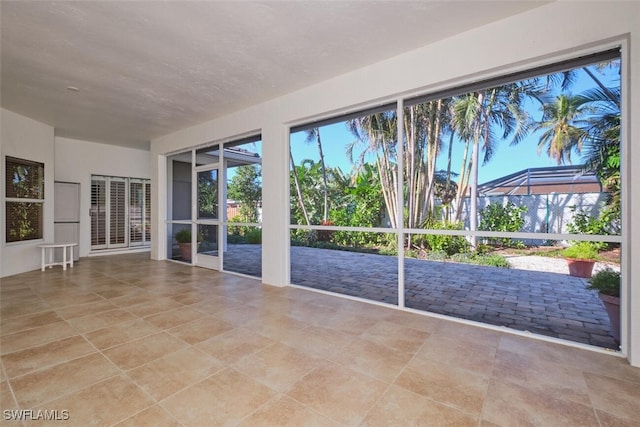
(589, 123)
(564, 124)
(475, 118)
(314, 134)
(377, 135)
(296, 181)
(603, 126)
(601, 150)
(424, 127)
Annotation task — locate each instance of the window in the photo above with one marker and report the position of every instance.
(24, 197)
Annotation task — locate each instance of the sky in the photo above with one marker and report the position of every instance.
(506, 160)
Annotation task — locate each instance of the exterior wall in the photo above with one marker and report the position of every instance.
(506, 46)
(77, 160)
(30, 140)
(546, 213)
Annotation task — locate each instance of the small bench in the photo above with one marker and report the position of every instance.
(51, 248)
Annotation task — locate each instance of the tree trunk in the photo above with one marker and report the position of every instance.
(465, 170)
(448, 182)
(324, 177)
(297, 183)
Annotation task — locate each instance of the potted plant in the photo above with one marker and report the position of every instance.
(183, 237)
(581, 257)
(607, 283)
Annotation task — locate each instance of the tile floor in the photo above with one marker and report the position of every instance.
(126, 341)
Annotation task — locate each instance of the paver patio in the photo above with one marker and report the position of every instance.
(545, 303)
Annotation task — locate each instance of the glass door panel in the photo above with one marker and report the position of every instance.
(208, 245)
(208, 216)
(208, 194)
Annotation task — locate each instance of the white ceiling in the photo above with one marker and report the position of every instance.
(145, 69)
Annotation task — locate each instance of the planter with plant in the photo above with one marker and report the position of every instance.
(183, 237)
(581, 257)
(607, 283)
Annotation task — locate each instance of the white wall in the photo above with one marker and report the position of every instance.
(77, 160)
(27, 139)
(548, 34)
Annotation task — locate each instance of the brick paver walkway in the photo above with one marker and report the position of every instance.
(545, 303)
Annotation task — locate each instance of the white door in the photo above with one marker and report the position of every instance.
(66, 216)
(207, 191)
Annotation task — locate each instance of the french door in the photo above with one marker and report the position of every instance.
(208, 193)
(120, 212)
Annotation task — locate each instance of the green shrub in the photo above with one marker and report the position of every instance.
(507, 218)
(437, 256)
(183, 235)
(581, 250)
(448, 244)
(583, 223)
(606, 281)
(491, 260)
(254, 236)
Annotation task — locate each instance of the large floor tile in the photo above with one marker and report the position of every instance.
(338, 393)
(221, 399)
(560, 380)
(282, 411)
(154, 416)
(36, 336)
(201, 329)
(618, 397)
(400, 407)
(317, 341)
(172, 318)
(445, 384)
(80, 310)
(474, 356)
(39, 357)
(509, 404)
(101, 320)
(30, 321)
(48, 384)
(175, 371)
(154, 306)
(373, 359)
(121, 333)
(102, 404)
(396, 336)
(143, 350)
(233, 345)
(8, 401)
(277, 366)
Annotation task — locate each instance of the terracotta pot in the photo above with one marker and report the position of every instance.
(185, 251)
(580, 267)
(612, 305)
